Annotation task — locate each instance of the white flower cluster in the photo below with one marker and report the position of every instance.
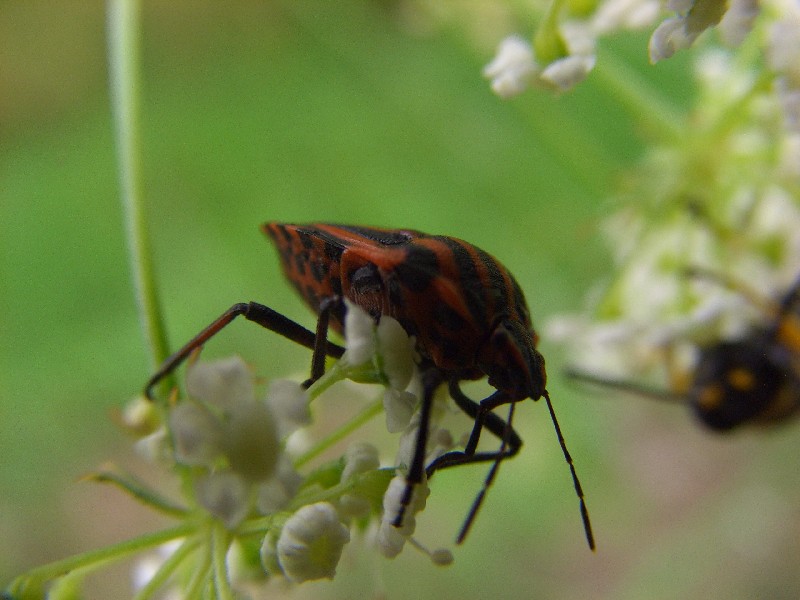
(562, 51)
(710, 231)
(232, 447)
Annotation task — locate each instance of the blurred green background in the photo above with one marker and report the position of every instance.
(367, 113)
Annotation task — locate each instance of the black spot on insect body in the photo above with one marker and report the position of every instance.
(300, 263)
(305, 239)
(319, 270)
(394, 290)
(336, 283)
(418, 268)
(447, 318)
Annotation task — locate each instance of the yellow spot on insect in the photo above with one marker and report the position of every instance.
(741, 379)
(789, 332)
(710, 397)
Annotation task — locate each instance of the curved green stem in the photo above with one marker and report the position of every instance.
(97, 558)
(123, 59)
(220, 543)
(167, 568)
(368, 413)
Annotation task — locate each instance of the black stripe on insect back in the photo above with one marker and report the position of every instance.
(497, 283)
(384, 238)
(469, 281)
(418, 269)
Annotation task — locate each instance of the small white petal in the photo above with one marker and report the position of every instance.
(738, 21)
(359, 457)
(311, 543)
(275, 493)
(397, 353)
(288, 401)
(668, 38)
(399, 407)
(513, 69)
(359, 331)
(565, 73)
(225, 495)
(388, 540)
(196, 434)
(221, 382)
(392, 503)
(156, 447)
(250, 440)
(613, 15)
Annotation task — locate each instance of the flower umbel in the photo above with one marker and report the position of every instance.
(240, 484)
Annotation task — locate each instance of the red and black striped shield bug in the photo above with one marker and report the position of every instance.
(754, 380)
(467, 312)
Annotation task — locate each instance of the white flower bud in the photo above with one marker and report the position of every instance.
(513, 68)
(359, 332)
(275, 493)
(251, 440)
(288, 401)
(225, 495)
(222, 383)
(311, 543)
(396, 351)
(399, 407)
(359, 457)
(195, 433)
(668, 38)
(567, 72)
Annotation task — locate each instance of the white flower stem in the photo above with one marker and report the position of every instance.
(368, 413)
(123, 61)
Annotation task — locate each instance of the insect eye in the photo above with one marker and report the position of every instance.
(366, 280)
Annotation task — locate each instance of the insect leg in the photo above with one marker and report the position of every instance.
(431, 380)
(252, 311)
(483, 417)
(478, 501)
(321, 344)
(510, 443)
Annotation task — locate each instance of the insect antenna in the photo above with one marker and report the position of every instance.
(624, 385)
(587, 525)
(501, 454)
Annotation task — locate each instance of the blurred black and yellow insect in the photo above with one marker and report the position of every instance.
(753, 380)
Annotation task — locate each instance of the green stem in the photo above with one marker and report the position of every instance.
(123, 59)
(201, 576)
(369, 412)
(98, 558)
(220, 543)
(166, 569)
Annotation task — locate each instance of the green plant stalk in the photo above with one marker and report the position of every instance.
(368, 413)
(123, 59)
(167, 568)
(99, 558)
(220, 542)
